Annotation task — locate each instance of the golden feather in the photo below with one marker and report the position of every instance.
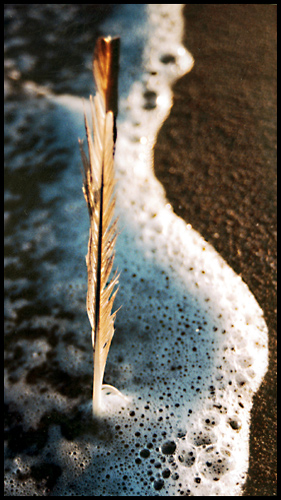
(98, 189)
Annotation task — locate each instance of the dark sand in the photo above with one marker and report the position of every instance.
(216, 157)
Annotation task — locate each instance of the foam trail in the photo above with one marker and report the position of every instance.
(197, 335)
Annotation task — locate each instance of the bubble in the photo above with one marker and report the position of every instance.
(166, 473)
(167, 59)
(168, 448)
(235, 424)
(158, 484)
(145, 453)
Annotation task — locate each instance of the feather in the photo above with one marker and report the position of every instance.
(98, 189)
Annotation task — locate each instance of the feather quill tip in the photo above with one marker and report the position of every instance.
(111, 399)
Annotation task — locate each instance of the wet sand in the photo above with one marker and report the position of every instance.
(216, 157)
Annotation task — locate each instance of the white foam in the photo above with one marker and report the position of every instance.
(190, 348)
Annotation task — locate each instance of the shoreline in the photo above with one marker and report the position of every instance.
(216, 156)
